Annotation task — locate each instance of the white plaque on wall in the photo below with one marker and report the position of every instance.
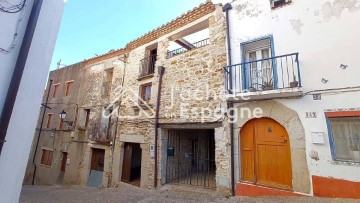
(318, 137)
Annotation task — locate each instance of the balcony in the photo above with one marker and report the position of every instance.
(147, 66)
(187, 47)
(101, 132)
(269, 78)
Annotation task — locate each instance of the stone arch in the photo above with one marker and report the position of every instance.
(290, 120)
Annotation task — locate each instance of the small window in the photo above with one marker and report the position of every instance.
(68, 86)
(49, 118)
(345, 136)
(145, 92)
(55, 90)
(47, 156)
(107, 82)
(61, 125)
(84, 118)
(277, 3)
(87, 117)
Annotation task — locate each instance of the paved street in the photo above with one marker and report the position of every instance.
(127, 193)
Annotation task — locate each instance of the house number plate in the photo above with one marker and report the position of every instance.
(311, 115)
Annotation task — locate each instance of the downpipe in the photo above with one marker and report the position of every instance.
(226, 8)
(161, 71)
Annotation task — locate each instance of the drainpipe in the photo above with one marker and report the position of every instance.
(18, 71)
(161, 71)
(38, 138)
(226, 8)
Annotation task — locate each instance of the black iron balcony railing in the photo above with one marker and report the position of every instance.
(147, 65)
(278, 72)
(196, 45)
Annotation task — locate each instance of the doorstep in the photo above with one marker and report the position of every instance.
(250, 190)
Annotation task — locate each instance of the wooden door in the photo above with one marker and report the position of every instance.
(126, 171)
(63, 161)
(97, 159)
(265, 154)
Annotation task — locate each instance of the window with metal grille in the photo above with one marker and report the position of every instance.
(345, 138)
(47, 157)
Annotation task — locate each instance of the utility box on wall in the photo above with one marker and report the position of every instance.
(170, 151)
(317, 137)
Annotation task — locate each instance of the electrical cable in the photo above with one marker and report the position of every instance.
(13, 8)
(12, 44)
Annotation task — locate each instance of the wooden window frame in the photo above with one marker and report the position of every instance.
(61, 125)
(87, 117)
(49, 119)
(143, 91)
(47, 157)
(338, 114)
(67, 88)
(55, 90)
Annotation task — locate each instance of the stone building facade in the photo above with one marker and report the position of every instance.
(114, 133)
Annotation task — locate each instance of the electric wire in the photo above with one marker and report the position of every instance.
(12, 8)
(15, 35)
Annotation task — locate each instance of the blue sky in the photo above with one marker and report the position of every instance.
(92, 27)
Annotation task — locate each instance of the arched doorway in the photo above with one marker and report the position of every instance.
(265, 154)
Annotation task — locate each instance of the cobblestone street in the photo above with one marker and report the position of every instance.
(128, 193)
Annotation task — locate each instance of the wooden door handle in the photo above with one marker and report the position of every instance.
(284, 139)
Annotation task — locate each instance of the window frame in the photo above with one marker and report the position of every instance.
(49, 119)
(61, 125)
(338, 114)
(48, 162)
(244, 58)
(67, 88)
(87, 117)
(143, 92)
(55, 90)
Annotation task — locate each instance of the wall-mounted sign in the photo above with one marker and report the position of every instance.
(311, 115)
(317, 137)
(317, 96)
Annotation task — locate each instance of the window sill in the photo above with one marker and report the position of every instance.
(345, 163)
(146, 77)
(46, 166)
(81, 128)
(143, 106)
